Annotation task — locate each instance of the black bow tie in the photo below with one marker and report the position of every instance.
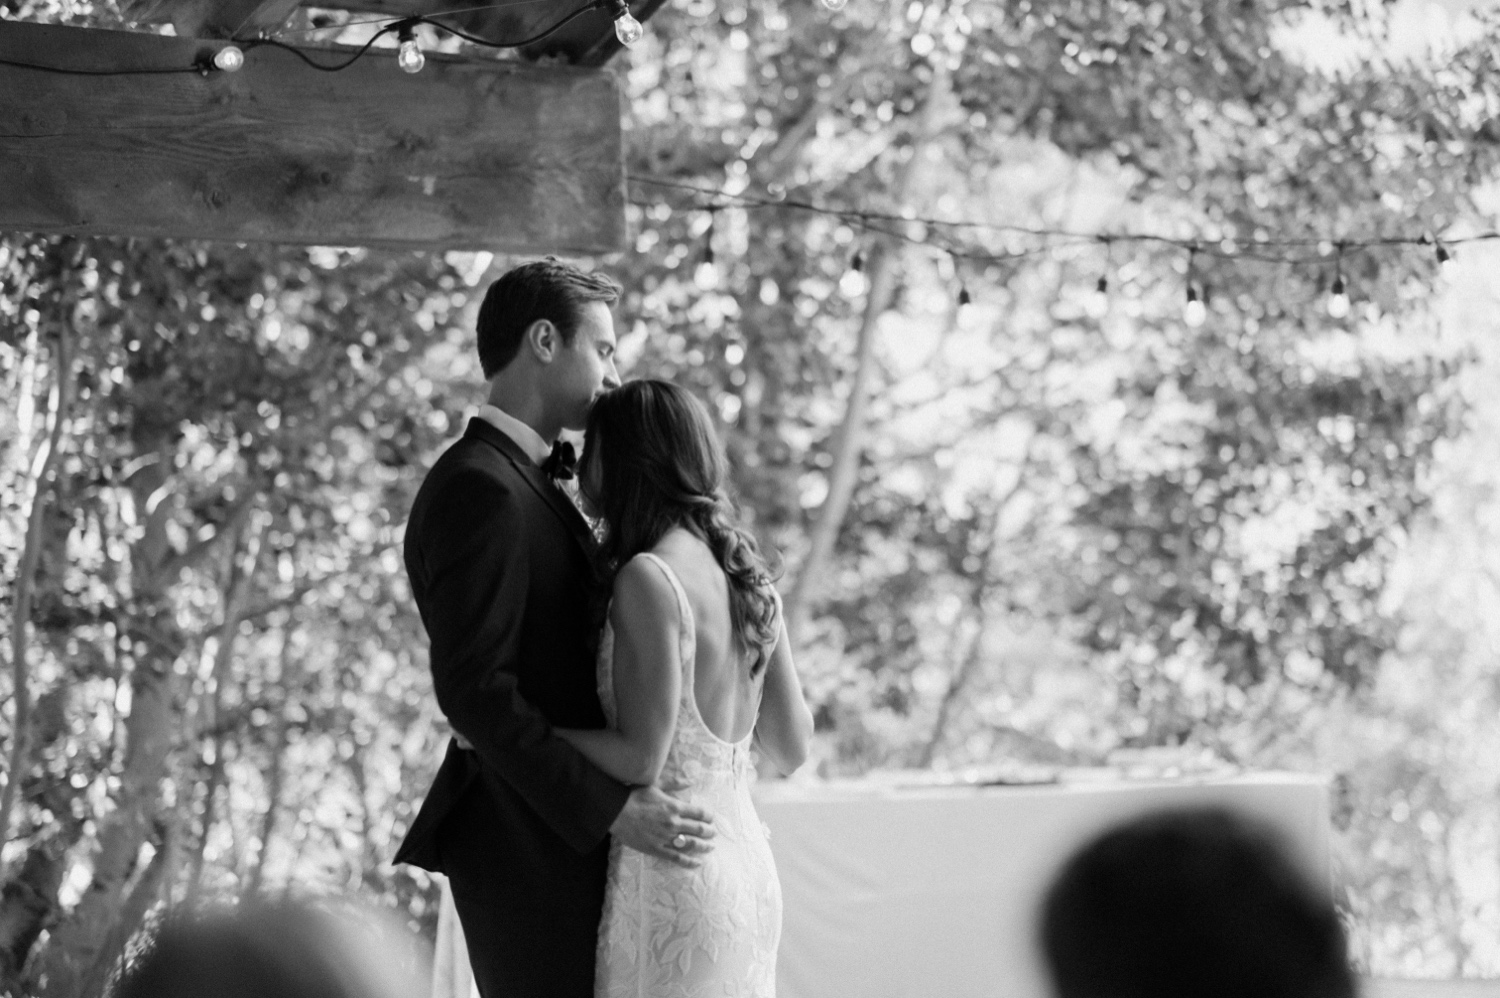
(561, 462)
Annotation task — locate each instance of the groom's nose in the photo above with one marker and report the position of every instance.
(611, 376)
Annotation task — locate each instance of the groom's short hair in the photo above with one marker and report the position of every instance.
(543, 289)
(1192, 903)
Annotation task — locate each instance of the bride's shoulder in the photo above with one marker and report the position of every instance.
(643, 582)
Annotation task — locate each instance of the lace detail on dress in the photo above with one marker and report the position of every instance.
(669, 932)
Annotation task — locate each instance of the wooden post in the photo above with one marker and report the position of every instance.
(466, 154)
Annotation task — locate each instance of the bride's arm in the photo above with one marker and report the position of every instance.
(785, 727)
(647, 677)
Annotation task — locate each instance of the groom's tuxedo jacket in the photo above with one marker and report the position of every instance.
(501, 569)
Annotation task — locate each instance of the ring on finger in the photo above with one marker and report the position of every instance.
(679, 840)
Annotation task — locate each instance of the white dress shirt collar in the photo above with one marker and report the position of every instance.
(530, 442)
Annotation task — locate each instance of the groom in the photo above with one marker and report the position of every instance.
(501, 568)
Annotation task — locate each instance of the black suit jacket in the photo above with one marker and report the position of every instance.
(501, 568)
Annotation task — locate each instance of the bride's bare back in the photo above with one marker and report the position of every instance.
(728, 697)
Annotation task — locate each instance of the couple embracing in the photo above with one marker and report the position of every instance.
(593, 811)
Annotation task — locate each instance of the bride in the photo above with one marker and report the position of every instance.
(694, 667)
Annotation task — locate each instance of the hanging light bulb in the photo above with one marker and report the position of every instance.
(1195, 311)
(1338, 298)
(706, 274)
(409, 55)
(627, 29)
(1338, 295)
(834, 4)
(1097, 305)
(1445, 259)
(229, 59)
(853, 283)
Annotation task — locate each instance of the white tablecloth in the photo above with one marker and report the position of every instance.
(932, 892)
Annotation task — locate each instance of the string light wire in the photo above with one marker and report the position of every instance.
(383, 20)
(1231, 249)
(900, 228)
(389, 26)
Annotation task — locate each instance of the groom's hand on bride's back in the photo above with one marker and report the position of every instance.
(653, 822)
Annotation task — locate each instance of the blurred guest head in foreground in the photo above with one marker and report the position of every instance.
(278, 951)
(1191, 904)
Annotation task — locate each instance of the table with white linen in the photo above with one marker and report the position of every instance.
(895, 889)
(933, 892)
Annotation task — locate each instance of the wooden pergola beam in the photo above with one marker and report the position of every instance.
(466, 154)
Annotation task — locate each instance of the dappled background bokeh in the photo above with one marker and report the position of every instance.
(1043, 529)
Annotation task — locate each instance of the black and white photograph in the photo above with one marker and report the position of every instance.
(749, 499)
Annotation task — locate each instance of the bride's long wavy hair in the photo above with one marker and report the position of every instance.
(660, 465)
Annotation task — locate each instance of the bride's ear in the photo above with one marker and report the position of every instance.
(542, 339)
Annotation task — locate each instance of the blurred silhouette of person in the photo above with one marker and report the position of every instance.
(1197, 903)
(282, 950)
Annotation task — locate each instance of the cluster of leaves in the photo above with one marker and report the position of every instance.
(242, 443)
(1071, 532)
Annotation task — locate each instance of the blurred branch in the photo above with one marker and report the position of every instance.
(26, 581)
(979, 588)
(276, 776)
(777, 163)
(849, 444)
(196, 551)
(236, 583)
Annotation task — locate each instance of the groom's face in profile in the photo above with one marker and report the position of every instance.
(585, 368)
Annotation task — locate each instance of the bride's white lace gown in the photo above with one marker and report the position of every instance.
(670, 932)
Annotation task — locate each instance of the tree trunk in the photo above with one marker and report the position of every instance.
(276, 778)
(76, 944)
(956, 684)
(147, 887)
(236, 586)
(25, 581)
(28, 902)
(273, 805)
(849, 441)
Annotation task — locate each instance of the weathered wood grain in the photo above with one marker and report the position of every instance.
(467, 154)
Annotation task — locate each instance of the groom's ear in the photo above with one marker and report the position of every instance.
(542, 339)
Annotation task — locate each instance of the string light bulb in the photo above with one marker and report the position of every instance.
(409, 54)
(1097, 305)
(834, 4)
(706, 274)
(853, 283)
(627, 29)
(1338, 296)
(1194, 312)
(229, 59)
(1338, 299)
(1445, 259)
